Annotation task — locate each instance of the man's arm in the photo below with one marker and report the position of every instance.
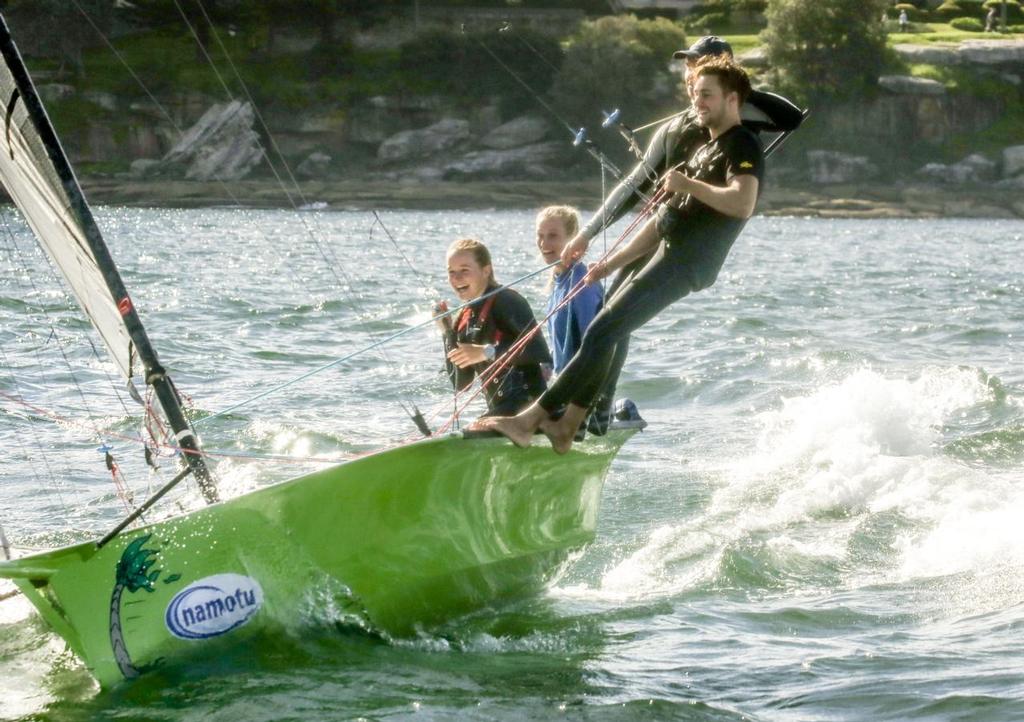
(641, 243)
(737, 198)
(626, 194)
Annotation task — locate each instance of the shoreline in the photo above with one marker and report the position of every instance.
(839, 201)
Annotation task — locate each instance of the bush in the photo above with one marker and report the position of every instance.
(711, 22)
(949, 9)
(841, 49)
(972, 8)
(469, 65)
(1013, 9)
(913, 11)
(972, 25)
(617, 62)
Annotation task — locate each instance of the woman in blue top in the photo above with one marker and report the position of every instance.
(555, 226)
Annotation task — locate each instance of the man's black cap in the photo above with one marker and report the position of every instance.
(708, 45)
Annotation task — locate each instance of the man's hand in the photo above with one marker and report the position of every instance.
(574, 250)
(466, 354)
(676, 182)
(597, 271)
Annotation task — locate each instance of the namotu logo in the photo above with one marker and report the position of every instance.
(213, 606)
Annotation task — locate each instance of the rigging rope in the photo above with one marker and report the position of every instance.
(372, 346)
(333, 263)
(326, 253)
(579, 134)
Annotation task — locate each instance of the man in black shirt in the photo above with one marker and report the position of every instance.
(713, 195)
(674, 142)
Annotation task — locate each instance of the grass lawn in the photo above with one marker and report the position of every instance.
(924, 33)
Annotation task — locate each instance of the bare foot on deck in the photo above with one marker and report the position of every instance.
(561, 440)
(518, 430)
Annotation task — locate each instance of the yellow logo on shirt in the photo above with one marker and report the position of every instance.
(746, 164)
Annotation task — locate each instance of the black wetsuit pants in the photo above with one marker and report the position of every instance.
(603, 404)
(664, 280)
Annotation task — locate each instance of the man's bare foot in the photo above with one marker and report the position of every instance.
(561, 441)
(518, 430)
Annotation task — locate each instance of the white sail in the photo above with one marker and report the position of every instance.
(34, 184)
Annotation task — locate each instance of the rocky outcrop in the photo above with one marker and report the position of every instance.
(1009, 53)
(54, 92)
(375, 120)
(533, 161)
(931, 54)
(988, 53)
(755, 58)
(1013, 161)
(909, 85)
(829, 168)
(974, 168)
(895, 118)
(222, 145)
(410, 145)
(521, 131)
(315, 166)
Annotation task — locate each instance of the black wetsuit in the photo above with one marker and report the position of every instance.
(500, 320)
(695, 242)
(673, 143)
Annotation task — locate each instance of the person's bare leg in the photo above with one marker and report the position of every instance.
(519, 428)
(562, 432)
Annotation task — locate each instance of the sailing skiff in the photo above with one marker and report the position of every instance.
(391, 542)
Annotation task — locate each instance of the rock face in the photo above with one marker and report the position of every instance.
(829, 167)
(222, 145)
(991, 53)
(53, 92)
(412, 144)
(315, 166)
(972, 169)
(533, 161)
(895, 118)
(1013, 161)
(909, 85)
(518, 132)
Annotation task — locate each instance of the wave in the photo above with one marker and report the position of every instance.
(848, 485)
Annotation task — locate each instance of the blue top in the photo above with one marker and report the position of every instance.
(566, 326)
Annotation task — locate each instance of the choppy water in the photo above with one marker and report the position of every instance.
(823, 521)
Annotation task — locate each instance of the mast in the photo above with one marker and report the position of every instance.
(88, 232)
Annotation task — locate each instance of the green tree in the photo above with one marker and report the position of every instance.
(59, 29)
(474, 66)
(618, 62)
(826, 50)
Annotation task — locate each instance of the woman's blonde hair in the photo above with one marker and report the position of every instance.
(569, 216)
(480, 253)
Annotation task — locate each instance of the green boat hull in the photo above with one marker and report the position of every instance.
(395, 541)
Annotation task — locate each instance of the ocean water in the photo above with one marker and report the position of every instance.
(822, 521)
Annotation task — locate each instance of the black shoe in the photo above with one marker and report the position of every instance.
(600, 418)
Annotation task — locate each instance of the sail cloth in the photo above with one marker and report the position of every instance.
(44, 195)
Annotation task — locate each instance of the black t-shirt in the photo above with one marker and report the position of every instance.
(501, 320)
(697, 234)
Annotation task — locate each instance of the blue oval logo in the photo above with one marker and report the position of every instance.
(213, 606)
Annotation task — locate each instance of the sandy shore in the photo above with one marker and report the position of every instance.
(892, 201)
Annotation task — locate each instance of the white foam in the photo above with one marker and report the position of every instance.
(823, 463)
(865, 443)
